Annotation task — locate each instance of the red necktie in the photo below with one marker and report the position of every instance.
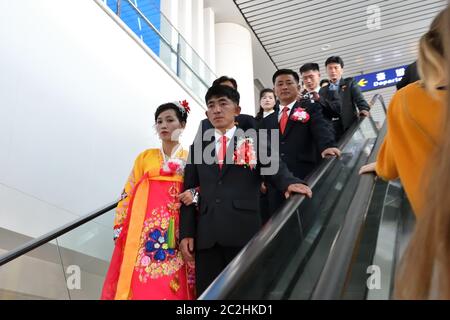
(284, 119)
(222, 151)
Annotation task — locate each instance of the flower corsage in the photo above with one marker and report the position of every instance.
(245, 154)
(301, 115)
(172, 167)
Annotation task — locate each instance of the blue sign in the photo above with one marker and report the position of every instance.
(380, 79)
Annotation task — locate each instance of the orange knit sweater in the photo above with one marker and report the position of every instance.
(414, 122)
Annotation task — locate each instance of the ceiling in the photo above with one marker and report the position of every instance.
(294, 32)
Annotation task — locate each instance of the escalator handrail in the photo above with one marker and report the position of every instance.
(334, 274)
(230, 276)
(35, 243)
(380, 98)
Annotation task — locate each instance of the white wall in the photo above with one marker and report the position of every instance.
(77, 96)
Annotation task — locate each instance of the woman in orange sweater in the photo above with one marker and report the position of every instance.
(415, 123)
(418, 145)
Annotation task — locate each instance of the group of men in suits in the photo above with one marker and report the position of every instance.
(228, 213)
(341, 100)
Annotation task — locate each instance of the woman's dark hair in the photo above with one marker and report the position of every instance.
(260, 113)
(179, 111)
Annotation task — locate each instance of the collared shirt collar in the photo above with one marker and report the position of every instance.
(290, 105)
(315, 90)
(335, 86)
(266, 113)
(229, 134)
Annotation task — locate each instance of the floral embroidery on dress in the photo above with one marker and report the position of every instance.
(157, 257)
(121, 210)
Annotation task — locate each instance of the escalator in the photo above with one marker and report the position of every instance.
(344, 243)
(310, 249)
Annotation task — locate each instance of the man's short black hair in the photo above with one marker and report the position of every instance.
(223, 79)
(286, 72)
(335, 59)
(311, 66)
(219, 91)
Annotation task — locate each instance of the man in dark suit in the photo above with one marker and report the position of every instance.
(310, 75)
(229, 208)
(343, 98)
(244, 121)
(304, 134)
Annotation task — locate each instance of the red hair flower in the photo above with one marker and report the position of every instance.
(185, 105)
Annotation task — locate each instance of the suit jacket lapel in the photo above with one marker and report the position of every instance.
(214, 167)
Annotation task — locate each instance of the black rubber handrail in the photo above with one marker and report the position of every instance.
(334, 274)
(35, 243)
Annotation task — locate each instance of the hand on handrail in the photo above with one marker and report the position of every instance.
(368, 168)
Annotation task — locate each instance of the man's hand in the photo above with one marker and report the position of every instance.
(186, 198)
(331, 152)
(263, 188)
(364, 113)
(368, 168)
(187, 249)
(298, 188)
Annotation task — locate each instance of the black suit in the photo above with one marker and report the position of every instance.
(229, 214)
(341, 106)
(301, 144)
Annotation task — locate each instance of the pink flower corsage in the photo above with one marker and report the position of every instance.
(172, 167)
(245, 154)
(301, 115)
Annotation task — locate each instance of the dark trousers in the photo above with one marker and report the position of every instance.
(209, 263)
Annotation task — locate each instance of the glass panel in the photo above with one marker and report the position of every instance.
(150, 25)
(72, 266)
(192, 80)
(88, 250)
(295, 257)
(378, 114)
(36, 275)
(396, 225)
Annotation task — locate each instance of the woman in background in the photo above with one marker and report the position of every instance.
(267, 103)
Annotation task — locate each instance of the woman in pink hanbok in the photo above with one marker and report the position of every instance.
(146, 262)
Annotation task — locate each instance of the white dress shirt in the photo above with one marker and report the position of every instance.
(218, 136)
(280, 112)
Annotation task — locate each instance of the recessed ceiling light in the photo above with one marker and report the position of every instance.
(326, 47)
